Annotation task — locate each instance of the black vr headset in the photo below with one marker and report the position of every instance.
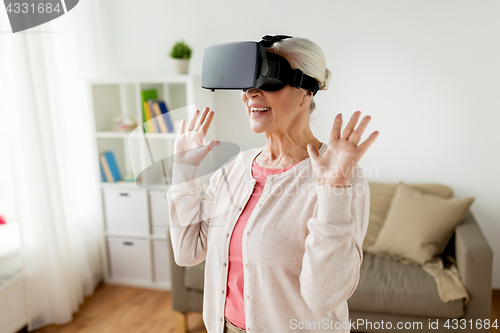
(246, 65)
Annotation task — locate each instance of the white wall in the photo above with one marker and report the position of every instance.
(426, 71)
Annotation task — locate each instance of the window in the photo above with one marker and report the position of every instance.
(9, 233)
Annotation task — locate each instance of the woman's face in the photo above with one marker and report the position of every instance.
(287, 109)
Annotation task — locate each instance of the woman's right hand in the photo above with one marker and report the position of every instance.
(188, 147)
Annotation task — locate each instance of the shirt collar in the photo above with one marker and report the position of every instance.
(254, 152)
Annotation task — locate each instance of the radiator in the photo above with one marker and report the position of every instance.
(12, 305)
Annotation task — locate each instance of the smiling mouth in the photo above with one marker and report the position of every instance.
(259, 110)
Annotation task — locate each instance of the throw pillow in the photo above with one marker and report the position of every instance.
(418, 226)
(381, 195)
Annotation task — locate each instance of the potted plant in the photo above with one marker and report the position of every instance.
(181, 53)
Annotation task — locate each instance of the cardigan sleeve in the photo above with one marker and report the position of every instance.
(333, 253)
(189, 214)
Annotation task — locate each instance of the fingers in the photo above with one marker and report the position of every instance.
(207, 122)
(198, 121)
(351, 125)
(193, 120)
(356, 135)
(182, 128)
(337, 126)
(368, 142)
(212, 144)
(201, 119)
(313, 152)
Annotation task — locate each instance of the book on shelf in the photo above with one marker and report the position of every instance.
(166, 116)
(102, 165)
(148, 124)
(162, 116)
(159, 116)
(154, 119)
(109, 168)
(147, 94)
(155, 116)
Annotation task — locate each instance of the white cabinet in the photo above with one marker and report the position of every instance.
(158, 206)
(135, 214)
(161, 261)
(126, 211)
(129, 259)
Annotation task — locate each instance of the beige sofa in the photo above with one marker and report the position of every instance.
(389, 292)
(395, 292)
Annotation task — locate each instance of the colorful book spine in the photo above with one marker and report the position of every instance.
(113, 166)
(154, 120)
(144, 119)
(164, 111)
(105, 168)
(148, 124)
(159, 116)
(145, 95)
(103, 175)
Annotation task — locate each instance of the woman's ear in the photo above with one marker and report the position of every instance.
(306, 98)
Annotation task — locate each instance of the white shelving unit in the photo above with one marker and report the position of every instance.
(136, 216)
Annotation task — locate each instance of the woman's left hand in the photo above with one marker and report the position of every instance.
(336, 166)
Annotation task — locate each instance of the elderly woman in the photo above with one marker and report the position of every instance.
(280, 227)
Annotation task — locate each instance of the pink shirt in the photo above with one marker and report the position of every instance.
(235, 302)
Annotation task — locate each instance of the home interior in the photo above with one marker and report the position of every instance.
(85, 145)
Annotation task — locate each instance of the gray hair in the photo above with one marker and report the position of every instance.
(307, 56)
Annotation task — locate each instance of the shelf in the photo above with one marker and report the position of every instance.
(162, 135)
(158, 187)
(112, 134)
(137, 153)
(156, 237)
(124, 235)
(141, 79)
(124, 135)
(122, 185)
(148, 237)
(134, 186)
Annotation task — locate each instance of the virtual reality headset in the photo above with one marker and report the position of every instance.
(247, 65)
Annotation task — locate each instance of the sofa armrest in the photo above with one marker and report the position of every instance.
(474, 259)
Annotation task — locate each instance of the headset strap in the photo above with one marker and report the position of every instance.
(301, 80)
(298, 79)
(268, 40)
(294, 77)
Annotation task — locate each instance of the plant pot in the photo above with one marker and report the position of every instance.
(181, 66)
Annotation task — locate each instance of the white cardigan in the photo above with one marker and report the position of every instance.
(301, 245)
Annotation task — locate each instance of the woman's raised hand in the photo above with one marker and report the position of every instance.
(188, 147)
(336, 166)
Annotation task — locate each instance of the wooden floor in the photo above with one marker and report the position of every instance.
(115, 309)
(495, 308)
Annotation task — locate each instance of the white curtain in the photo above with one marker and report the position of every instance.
(45, 96)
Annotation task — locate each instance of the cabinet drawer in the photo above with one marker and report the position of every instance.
(160, 230)
(161, 259)
(158, 208)
(129, 259)
(126, 211)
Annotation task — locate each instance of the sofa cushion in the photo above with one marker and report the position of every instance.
(418, 225)
(381, 195)
(388, 286)
(194, 277)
